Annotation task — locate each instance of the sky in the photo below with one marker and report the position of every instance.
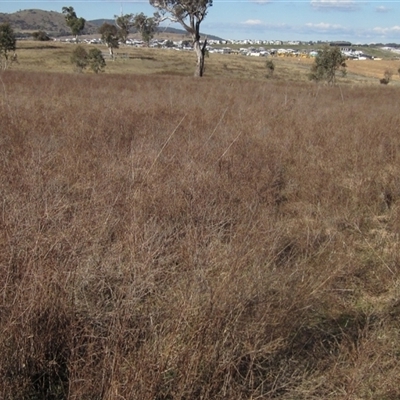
(356, 21)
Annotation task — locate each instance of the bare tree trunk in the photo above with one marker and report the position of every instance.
(200, 52)
(111, 50)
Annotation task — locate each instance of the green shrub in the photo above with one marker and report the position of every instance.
(80, 58)
(96, 61)
(326, 64)
(270, 68)
(40, 36)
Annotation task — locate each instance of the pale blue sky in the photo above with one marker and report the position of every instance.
(357, 21)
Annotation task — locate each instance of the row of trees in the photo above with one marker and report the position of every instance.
(188, 13)
(146, 26)
(112, 34)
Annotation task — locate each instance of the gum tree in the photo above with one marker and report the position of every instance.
(190, 14)
(326, 64)
(147, 26)
(8, 44)
(73, 22)
(124, 24)
(109, 35)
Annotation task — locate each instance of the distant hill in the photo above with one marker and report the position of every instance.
(24, 22)
(52, 22)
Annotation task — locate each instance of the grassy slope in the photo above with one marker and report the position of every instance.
(165, 238)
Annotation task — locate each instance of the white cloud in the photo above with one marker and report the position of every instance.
(386, 31)
(338, 5)
(322, 26)
(253, 22)
(320, 29)
(382, 9)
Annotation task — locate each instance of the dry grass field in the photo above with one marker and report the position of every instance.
(55, 57)
(163, 237)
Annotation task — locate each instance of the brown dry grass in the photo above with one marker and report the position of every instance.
(170, 238)
(374, 68)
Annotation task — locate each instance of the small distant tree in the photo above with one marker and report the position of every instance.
(40, 36)
(169, 44)
(8, 45)
(328, 61)
(109, 35)
(269, 64)
(124, 24)
(96, 61)
(388, 74)
(73, 22)
(147, 26)
(387, 77)
(80, 58)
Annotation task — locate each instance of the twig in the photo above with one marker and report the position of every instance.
(165, 144)
(216, 126)
(234, 140)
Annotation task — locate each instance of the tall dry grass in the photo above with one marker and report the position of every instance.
(169, 238)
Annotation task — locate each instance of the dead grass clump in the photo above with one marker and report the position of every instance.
(168, 238)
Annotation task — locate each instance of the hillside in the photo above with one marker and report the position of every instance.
(52, 22)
